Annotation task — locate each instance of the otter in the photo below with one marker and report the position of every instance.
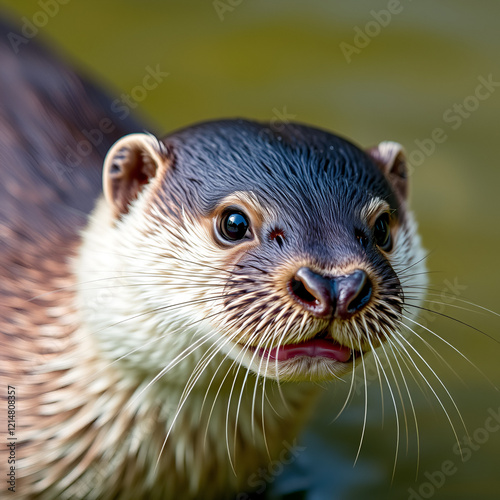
(167, 336)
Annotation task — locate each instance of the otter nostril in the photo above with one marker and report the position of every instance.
(354, 292)
(362, 298)
(312, 291)
(300, 291)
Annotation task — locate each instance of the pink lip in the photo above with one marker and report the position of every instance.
(311, 348)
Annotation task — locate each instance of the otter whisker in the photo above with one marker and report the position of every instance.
(263, 345)
(377, 362)
(405, 279)
(396, 413)
(197, 374)
(156, 339)
(280, 340)
(456, 320)
(263, 413)
(268, 358)
(423, 389)
(458, 299)
(455, 306)
(258, 328)
(77, 284)
(185, 353)
(178, 359)
(226, 356)
(423, 287)
(434, 351)
(253, 267)
(351, 387)
(365, 389)
(460, 353)
(199, 369)
(394, 376)
(271, 341)
(202, 364)
(169, 307)
(232, 388)
(418, 261)
(243, 385)
(179, 286)
(233, 336)
(395, 352)
(417, 377)
(160, 259)
(403, 338)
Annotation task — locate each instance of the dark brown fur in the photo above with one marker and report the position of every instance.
(46, 193)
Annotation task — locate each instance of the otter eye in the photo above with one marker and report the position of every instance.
(382, 233)
(234, 226)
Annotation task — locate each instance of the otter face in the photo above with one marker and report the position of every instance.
(289, 254)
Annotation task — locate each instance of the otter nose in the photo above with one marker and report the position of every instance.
(338, 296)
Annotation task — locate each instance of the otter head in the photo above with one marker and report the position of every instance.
(286, 253)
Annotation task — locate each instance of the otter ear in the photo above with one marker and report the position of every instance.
(130, 164)
(391, 159)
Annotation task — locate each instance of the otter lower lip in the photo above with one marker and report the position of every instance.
(312, 348)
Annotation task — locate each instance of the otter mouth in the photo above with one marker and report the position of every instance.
(317, 347)
(320, 358)
(314, 348)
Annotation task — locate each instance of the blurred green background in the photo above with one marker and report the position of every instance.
(369, 74)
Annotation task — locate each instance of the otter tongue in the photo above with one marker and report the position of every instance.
(312, 348)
